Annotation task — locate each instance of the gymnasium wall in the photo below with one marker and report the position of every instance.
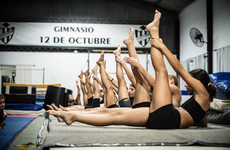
(195, 16)
(64, 67)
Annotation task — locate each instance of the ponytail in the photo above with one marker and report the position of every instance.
(203, 77)
(211, 88)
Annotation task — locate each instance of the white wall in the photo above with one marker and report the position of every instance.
(221, 23)
(195, 16)
(61, 68)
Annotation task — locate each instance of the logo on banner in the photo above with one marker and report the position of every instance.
(6, 33)
(142, 36)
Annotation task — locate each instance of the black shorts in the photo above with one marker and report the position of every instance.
(143, 104)
(166, 117)
(125, 102)
(90, 101)
(113, 106)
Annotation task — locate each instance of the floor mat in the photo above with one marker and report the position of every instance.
(82, 135)
(14, 125)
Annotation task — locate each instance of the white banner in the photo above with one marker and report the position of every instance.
(71, 35)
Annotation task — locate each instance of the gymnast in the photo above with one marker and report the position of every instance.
(123, 94)
(96, 89)
(3, 114)
(161, 114)
(174, 86)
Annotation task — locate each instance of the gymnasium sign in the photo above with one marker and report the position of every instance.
(71, 34)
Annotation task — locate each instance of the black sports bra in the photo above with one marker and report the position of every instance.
(194, 109)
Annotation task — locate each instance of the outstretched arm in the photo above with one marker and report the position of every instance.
(134, 62)
(113, 81)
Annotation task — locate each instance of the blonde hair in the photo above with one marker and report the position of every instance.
(176, 81)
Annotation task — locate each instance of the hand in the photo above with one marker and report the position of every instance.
(157, 43)
(119, 59)
(132, 61)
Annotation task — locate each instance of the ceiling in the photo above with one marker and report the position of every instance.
(172, 5)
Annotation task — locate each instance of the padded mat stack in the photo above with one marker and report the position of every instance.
(220, 107)
(56, 95)
(19, 94)
(82, 135)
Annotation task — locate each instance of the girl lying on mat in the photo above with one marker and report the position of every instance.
(161, 114)
(3, 114)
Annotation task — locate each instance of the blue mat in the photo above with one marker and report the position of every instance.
(14, 125)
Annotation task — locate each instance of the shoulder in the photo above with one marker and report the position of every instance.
(174, 88)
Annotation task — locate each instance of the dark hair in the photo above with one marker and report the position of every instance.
(203, 77)
(132, 85)
(2, 97)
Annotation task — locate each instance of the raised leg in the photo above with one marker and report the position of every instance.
(122, 88)
(141, 94)
(82, 82)
(78, 98)
(95, 83)
(110, 97)
(88, 86)
(161, 92)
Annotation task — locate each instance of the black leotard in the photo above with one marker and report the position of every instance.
(194, 109)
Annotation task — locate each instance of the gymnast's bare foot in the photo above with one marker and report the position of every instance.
(63, 108)
(117, 52)
(94, 70)
(153, 27)
(55, 108)
(130, 38)
(86, 73)
(100, 61)
(64, 115)
(81, 75)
